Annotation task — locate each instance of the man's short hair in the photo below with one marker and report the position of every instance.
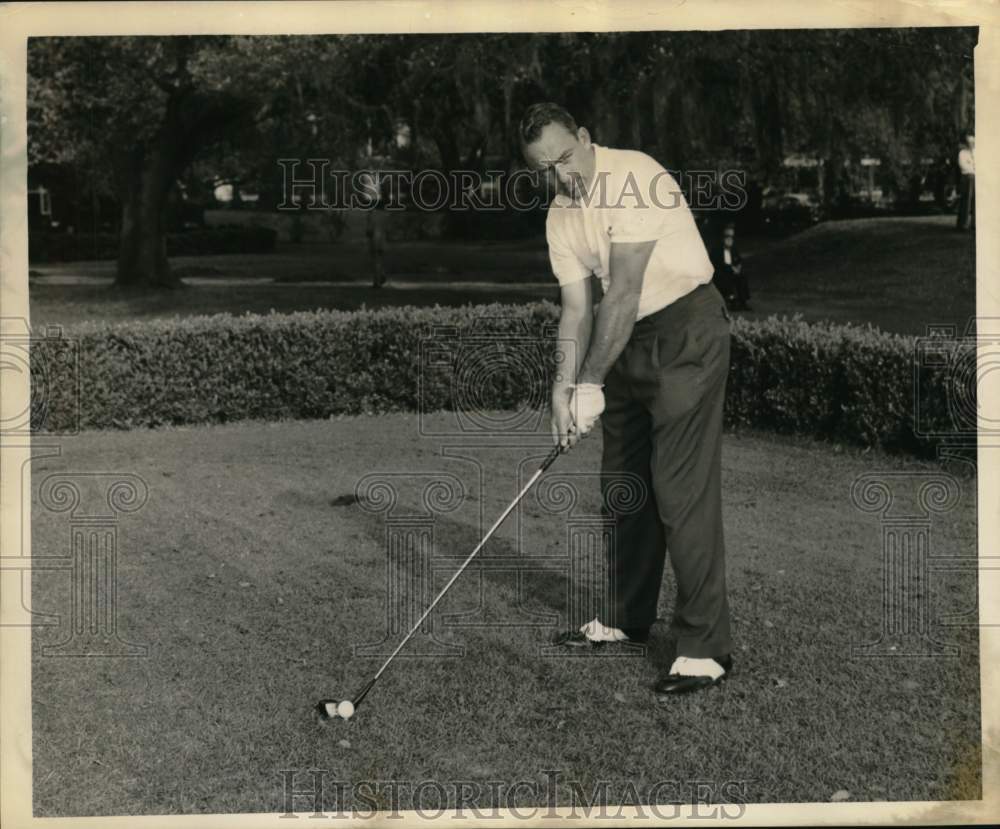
(538, 116)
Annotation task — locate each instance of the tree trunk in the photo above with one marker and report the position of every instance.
(832, 184)
(511, 146)
(142, 255)
(961, 118)
(455, 221)
(151, 169)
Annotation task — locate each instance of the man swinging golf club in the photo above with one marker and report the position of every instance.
(651, 363)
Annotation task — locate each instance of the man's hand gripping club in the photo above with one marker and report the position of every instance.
(575, 411)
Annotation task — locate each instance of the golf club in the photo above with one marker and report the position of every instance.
(344, 709)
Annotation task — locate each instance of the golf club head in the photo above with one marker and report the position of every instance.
(332, 709)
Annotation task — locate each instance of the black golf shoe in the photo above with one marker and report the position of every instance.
(674, 684)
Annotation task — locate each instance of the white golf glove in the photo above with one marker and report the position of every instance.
(586, 403)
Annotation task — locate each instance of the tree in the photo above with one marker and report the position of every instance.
(140, 110)
(845, 93)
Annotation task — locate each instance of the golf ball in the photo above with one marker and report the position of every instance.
(345, 709)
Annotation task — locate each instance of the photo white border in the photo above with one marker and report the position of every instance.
(18, 21)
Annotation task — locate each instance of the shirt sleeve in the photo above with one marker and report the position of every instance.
(566, 266)
(646, 204)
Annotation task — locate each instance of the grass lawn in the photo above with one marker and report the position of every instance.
(302, 278)
(897, 273)
(251, 589)
(348, 261)
(65, 304)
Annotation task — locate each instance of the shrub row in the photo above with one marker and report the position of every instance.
(851, 384)
(842, 383)
(75, 247)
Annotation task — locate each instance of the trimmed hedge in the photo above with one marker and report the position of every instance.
(841, 383)
(78, 247)
(850, 384)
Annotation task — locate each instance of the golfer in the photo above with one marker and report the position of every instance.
(651, 362)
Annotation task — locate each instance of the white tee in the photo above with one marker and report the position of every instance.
(727, 256)
(632, 199)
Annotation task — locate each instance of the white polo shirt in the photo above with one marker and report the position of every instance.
(632, 199)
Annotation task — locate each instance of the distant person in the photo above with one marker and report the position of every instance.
(967, 182)
(375, 231)
(375, 220)
(729, 277)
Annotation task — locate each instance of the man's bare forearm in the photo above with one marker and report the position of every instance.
(574, 340)
(617, 312)
(615, 321)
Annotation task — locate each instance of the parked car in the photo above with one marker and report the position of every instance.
(787, 212)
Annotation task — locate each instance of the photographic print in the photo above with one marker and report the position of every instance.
(423, 415)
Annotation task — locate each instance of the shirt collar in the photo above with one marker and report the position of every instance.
(600, 157)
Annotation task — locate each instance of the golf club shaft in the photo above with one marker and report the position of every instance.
(550, 458)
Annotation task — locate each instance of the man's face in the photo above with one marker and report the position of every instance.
(569, 155)
(729, 238)
(971, 141)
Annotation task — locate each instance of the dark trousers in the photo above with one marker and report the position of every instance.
(662, 426)
(734, 287)
(742, 288)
